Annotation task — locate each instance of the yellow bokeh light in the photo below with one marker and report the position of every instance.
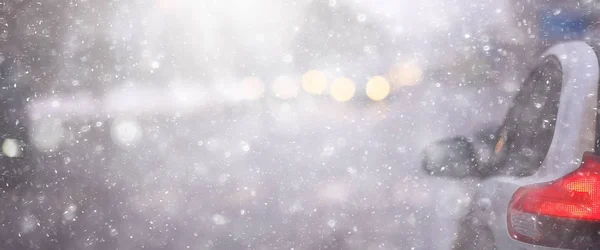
(407, 74)
(314, 82)
(378, 88)
(342, 89)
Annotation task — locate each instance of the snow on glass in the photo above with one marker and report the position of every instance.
(180, 124)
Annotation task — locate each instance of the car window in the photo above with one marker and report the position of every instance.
(527, 133)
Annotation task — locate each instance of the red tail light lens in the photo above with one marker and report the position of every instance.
(535, 211)
(576, 196)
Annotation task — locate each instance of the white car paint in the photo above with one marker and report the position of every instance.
(574, 134)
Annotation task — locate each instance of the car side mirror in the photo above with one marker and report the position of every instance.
(451, 157)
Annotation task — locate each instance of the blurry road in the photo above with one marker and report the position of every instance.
(303, 174)
(139, 171)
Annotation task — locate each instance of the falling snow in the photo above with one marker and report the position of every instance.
(182, 124)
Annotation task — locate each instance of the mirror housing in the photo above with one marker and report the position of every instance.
(451, 157)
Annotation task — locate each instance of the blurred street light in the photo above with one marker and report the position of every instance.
(314, 82)
(378, 88)
(11, 148)
(406, 74)
(126, 132)
(342, 89)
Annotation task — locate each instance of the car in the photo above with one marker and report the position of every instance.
(535, 180)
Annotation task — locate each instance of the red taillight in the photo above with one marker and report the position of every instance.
(575, 197)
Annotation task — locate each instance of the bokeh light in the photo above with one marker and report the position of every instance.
(342, 89)
(378, 88)
(126, 132)
(314, 82)
(252, 88)
(285, 87)
(406, 74)
(11, 148)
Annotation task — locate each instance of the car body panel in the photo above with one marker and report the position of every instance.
(574, 134)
